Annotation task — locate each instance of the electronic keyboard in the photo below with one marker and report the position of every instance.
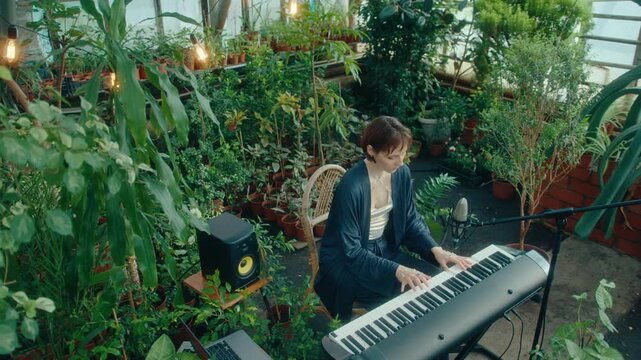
(455, 306)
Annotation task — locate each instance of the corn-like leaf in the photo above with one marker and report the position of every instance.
(116, 230)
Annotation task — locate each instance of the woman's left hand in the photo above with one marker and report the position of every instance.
(445, 257)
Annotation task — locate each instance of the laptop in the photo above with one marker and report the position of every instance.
(236, 346)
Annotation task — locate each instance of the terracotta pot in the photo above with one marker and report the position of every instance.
(300, 233)
(437, 148)
(242, 58)
(255, 201)
(319, 229)
(279, 315)
(288, 224)
(162, 298)
(237, 211)
(502, 190)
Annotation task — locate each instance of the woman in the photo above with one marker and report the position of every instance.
(372, 215)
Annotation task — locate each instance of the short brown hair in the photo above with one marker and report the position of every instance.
(385, 133)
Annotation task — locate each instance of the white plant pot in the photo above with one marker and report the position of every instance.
(430, 128)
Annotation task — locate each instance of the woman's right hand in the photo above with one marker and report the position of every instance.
(411, 277)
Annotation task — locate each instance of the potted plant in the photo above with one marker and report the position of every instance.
(464, 163)
(537, 138)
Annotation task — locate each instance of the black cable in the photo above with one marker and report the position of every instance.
(521, 337)
(511, 338)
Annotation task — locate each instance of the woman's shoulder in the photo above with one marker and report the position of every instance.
(355, 176)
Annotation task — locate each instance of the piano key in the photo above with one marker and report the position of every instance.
(453, 284)
(355, 343)
(490, 265)
(480, 271)
(364, 337)
(452, 289)
(442, 290)
(411, 317)
(375, 338)
(431, 297)
(350, 346)
(415, 308)
(387, 323)
(377, 332)
(465, 280)
(461, 283)
(466, 275)
(394, 315)
(425, 303)
(499, 264)
(381, 325)
(475, 273)
(502, 256)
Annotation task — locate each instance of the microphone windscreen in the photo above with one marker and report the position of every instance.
(460, 212)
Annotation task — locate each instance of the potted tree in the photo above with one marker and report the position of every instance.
(537, 138)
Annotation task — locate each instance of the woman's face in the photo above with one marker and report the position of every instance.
(391, 161)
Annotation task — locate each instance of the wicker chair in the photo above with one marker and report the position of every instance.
(317, 200)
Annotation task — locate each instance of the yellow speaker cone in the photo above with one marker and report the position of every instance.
(245, 265)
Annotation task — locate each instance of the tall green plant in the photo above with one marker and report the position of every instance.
(537, 138)
(404, 38)
(500, 22)
(628, 169)
(427, 197)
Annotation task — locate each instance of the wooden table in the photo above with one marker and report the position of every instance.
(197, 282)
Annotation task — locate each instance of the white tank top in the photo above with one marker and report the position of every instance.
(379, 219)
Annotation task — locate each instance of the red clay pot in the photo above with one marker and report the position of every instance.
(502, 190)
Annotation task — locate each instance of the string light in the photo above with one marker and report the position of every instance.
(200, 52)
(293, 7)
(10, 49)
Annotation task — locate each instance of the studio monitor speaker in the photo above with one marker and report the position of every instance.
(231, 248)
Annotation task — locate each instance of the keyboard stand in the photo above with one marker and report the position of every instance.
(473, 346)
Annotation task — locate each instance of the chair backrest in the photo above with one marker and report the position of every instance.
(317, 200)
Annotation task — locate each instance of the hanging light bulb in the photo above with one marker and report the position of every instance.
(200, 52)
(293, 7)
(10, 49)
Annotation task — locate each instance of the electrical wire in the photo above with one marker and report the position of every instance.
(511, 338)
(521, 337)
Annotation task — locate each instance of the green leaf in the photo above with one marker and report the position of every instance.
(75, 159)
(116, 230)
(573, 349)
(8, 339)
(7, 242)
(5, 73)
(20, 297)
(428, 5)
(59, 222)
(131, 96)
(162, 195)
(29, 328)
(74, 181)
(13, 150)
(42, 111)
(22, 228)
(39, 134)
(66, 140)
(114, 182)
(605, 320)
(603, 298)
(180, 17)
(38, 156)
(388, 11)
(4, 291)
(167, 177)
(45, 304)
(162, 349)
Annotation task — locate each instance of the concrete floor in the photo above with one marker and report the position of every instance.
(581, 264)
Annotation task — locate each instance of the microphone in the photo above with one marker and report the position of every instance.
(459, 221)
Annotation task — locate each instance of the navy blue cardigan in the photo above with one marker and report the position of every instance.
(344, 258)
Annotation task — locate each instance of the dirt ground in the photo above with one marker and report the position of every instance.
(581, 265)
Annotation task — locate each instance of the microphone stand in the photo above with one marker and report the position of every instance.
(561, 219)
